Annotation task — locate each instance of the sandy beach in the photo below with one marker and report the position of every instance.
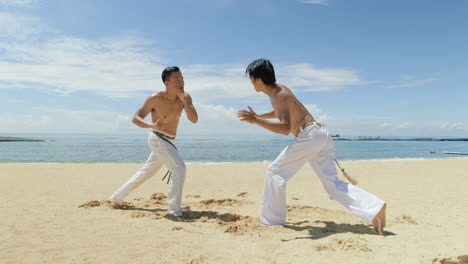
(59, 213)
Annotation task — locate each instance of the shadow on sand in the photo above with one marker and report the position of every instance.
(331, 228)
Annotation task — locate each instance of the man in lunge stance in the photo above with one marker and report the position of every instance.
(312, 144)
(165, 108)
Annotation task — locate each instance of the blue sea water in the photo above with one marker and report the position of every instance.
(133, 148)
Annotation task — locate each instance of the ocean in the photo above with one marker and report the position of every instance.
(133, 148)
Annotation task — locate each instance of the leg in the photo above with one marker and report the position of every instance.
(291, 159)
(171, 158)
(151, 166)
(360, 202)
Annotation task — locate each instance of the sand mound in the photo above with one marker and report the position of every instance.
(405, 219)
(222, 202)
(106, 203)
(354, 244)
(460, 260)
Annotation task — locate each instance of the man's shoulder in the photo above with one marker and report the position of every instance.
(285, 92)
(156, 95)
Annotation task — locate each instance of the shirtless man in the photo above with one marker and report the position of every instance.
(165, 108)
(312, 144)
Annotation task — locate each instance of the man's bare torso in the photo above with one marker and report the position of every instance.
(168, 111)
(287, 106)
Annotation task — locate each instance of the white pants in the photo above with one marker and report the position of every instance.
(314, 145)
(161, 153)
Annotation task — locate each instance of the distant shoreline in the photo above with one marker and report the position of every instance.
(18, 139)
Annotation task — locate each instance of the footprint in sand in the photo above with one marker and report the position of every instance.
(158, 197)
(318, 213)
(110, 204)
(242, 194)
(223, 202)
(406, 219)
(460, 260)
(199, 260)
(353, 244)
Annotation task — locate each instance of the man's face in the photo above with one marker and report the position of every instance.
(175, 81)
(256, 83)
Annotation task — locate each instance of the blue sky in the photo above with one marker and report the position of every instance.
(364, 67)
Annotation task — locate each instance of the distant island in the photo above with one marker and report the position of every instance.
(15, 139)
(399, 139)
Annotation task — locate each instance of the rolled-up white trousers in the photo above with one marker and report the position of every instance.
(315, 146)
(162, 153)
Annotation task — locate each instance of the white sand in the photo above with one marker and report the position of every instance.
(41, 221)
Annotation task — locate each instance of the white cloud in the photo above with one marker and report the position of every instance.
(412, 82)
(313, 109)
(38, 57)
(18, 3)
(403, 125)
(115, 68)
(306, 77)
(452, 125)
(386, 125)
(213, 120)
(17, 27)
(315, 2)
(61, 120)
(218, 120)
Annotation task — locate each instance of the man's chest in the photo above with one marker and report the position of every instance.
(168, 108)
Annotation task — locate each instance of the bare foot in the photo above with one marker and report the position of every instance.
(378, 222)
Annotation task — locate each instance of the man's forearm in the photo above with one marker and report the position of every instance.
(191, 113)
(276, 127)
(141, 122)
(268, 115)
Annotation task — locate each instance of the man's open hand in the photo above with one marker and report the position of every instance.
(247, 116)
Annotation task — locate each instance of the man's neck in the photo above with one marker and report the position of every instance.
(270, 90)
(171, 95)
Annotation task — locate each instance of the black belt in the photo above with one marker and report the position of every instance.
(162, 135)
(165, 138)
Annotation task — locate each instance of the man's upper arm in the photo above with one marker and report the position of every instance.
(146, 108)
(188, 98)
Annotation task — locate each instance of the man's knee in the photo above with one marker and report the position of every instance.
(180, 169)
(274, 174)
(335, 185)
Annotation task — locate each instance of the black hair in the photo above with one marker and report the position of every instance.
(168, 72)
(263, 69)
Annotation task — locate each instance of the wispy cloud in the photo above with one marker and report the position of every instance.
(45, 120)
(213, 120)
(452, 125)
(412, 82)
(36, 56)
(17, 27)
(18, 3)
(387, 125)
(315, 2)
(307, 77)
(127, 64)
